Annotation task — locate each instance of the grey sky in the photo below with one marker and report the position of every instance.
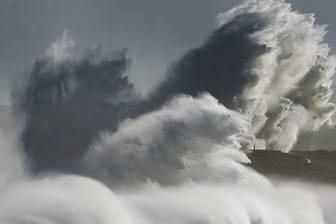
(156, 32)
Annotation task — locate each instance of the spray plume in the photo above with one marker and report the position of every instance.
(176, 156)
(268, 62)
(66, 102)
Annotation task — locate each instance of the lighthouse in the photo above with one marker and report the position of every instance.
(258, 143)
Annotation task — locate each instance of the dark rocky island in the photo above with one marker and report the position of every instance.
(312, 166)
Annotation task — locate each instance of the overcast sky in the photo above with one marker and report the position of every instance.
(156, 32)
